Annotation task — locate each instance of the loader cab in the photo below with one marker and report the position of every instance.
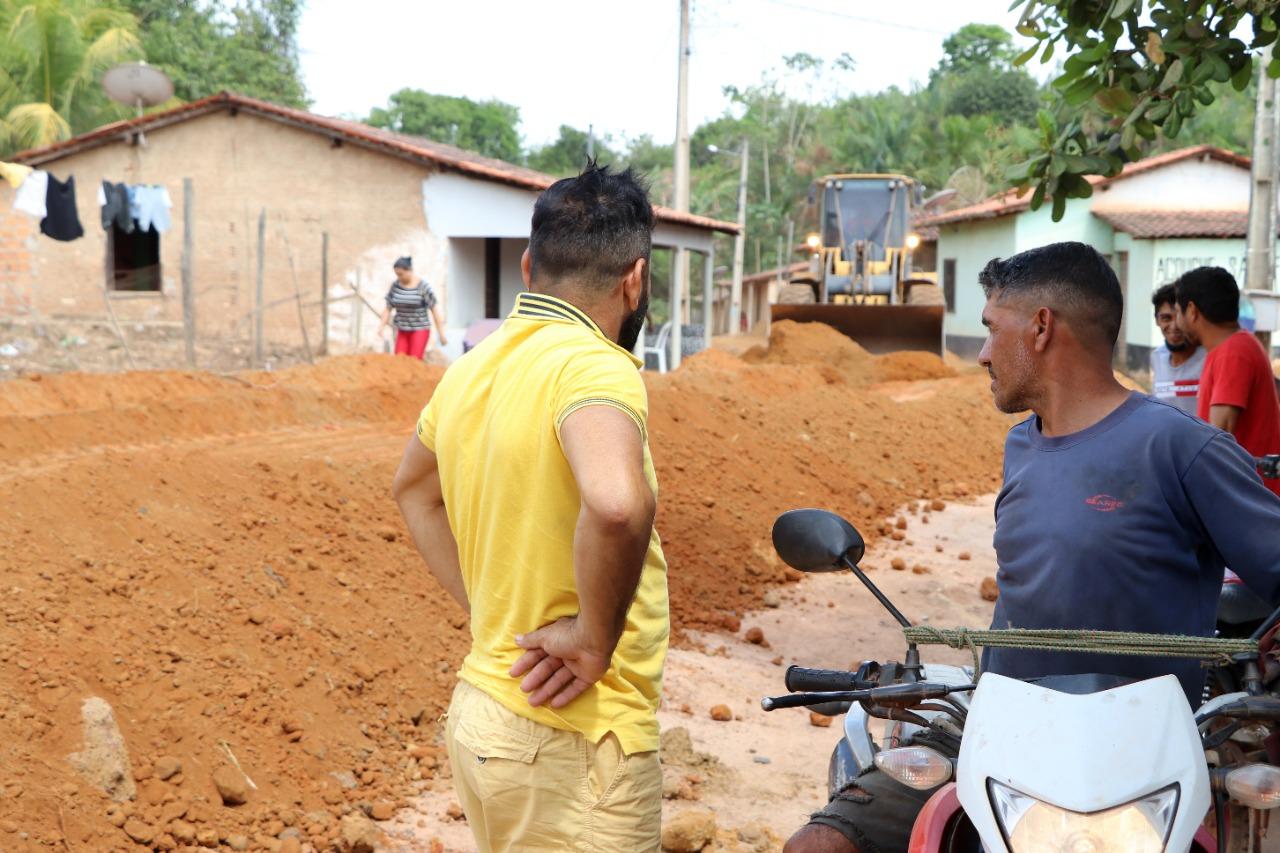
(865, 235)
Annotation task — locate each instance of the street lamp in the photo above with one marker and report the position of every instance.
(739, 241)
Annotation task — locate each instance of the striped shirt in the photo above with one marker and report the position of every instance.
(412, 305)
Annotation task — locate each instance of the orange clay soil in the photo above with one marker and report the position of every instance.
(219, 559)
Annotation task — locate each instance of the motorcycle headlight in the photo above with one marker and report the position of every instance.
(1032, 826)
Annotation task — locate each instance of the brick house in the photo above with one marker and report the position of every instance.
(376, 194)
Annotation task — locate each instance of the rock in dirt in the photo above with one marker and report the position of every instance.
(937, 505)
(898, 564)
(139, 831)
(721, 713)
(358, 834)
(964, 555)
(771, 599)
(689, 832)
(104, 761)
(822, 721)
(755, 636)
(382, 810)
(167, 766)
(231, 786)
(989, 589)
(919, 569)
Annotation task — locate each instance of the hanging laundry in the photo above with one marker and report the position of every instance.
(14, 173)
(114, 201)
(153, 207)
(134, 211)
(61, 222)
(31, 194)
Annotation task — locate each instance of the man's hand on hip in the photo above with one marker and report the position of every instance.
(557, 665)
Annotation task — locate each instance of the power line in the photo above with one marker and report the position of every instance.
(859, 18)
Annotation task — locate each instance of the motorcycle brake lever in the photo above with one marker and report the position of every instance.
(1221, 736)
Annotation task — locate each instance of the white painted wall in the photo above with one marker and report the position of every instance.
(457, 206)
(972, 245)
(1207, 185)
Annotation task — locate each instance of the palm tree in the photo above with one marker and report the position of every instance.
(52, 53)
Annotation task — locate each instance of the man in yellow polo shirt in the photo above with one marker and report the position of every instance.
(530, 493)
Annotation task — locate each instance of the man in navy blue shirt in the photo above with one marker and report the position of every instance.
(1118, 512)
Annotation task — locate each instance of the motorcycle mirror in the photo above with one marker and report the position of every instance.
(814, 540)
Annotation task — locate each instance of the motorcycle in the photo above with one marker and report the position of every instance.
(1079, 763)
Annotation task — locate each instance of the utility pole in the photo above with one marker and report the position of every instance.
(739, 244)
(680, 269)
(591, 142)
(1260, 241)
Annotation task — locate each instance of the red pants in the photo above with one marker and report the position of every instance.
(412, 343)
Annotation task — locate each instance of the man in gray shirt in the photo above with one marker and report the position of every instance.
(1175, 364)
(1118, 512)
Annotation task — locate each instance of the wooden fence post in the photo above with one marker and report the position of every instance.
(188, 287)
(324, 293)
(257, 298)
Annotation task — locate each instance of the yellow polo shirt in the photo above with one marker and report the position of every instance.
(494, 425)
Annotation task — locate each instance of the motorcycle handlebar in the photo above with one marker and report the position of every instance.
(801, 679)
(893, 695)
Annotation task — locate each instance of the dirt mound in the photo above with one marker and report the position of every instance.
(794, 343)
(218, 559)
(912, 366)
(816, 344)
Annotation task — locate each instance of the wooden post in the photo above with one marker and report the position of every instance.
(297, 296)
(708, 294)
(324, 293)
(257, 296)
(188, 291)
(115, 326)
(359, 313)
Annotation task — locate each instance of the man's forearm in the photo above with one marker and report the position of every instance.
(429, 526)
(1225, 418)
(609, 555)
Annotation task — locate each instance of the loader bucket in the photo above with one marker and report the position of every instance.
(877, 328)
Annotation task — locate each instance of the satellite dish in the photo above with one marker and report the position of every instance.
(138, 85)
(969, 184)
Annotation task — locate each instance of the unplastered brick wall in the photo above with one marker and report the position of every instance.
(18, 232)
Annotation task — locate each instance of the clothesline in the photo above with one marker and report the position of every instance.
(129, 207)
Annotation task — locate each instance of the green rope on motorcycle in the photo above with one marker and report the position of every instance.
(1109, 642)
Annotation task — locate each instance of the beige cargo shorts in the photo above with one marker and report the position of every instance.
(526, 786)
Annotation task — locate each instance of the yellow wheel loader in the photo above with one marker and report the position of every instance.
(861, 280)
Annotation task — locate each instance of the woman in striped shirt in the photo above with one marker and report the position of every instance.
(414, 304)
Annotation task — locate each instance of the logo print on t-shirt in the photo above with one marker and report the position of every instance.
(1104, 503)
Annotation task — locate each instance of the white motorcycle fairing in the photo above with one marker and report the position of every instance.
(1084, 754)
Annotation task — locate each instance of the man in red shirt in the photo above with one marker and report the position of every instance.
(1237, 386)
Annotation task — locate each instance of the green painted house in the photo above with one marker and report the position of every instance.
(1158, 218)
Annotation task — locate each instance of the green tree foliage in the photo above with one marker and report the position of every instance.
(568, 154)
(487, 127)
(976, 47)
(52, 53)
(207, 46)
(976, 76)
(1135, 72)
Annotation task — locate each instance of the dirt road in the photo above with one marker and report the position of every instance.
(216, 560)
(769, 770)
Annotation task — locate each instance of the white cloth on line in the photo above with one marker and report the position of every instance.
(30, 197)
(153, 207)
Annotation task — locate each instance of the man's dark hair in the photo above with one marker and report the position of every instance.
(1214, 292)
(1166, 294)
(592, 228)
(1073, 279)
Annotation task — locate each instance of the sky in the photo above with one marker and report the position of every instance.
(612, 63)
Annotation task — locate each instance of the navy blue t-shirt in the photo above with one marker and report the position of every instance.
(1126, 526)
